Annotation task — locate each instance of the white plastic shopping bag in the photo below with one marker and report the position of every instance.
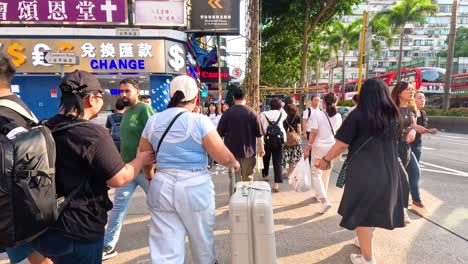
(300, 180)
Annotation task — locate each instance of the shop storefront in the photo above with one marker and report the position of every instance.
(153, 61)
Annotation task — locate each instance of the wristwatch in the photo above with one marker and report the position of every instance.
(327, 161)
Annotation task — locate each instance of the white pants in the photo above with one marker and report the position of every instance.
(320, 178)
(181, 202)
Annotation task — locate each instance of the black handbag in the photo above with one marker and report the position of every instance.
(340, 182)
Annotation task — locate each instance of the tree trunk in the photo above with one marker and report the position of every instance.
(450, 51)
(305, 52)
(343, 71)
(317, 74)
(402, 34)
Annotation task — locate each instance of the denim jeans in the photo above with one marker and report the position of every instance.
(117, 214)
(61, 249)
(414, 173)
(19, 253)
(417, 151)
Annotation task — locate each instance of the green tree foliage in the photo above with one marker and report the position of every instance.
(405, 12)
(298, 21)
(348, 38)
(461, 44)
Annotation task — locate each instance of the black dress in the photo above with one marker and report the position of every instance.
(373, 192)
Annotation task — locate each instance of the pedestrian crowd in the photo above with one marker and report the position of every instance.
(168, 155)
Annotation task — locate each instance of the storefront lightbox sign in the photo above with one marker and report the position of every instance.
(65, 12)
(210, 75)
(215, 16)
(160, 13)
(99, 55)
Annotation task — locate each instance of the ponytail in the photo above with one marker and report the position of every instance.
(330, 101)
(176, 99)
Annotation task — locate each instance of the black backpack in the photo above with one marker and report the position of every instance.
(28, 202)
(274, 137)
(114, 129)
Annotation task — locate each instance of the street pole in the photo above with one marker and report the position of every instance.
(361, 48)
(450, 51)
(220, 84)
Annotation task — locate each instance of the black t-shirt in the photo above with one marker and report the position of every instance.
(9, 115)
(240, 127)
(356, 130)
(85, 152)
(422, 121)
(292, 121)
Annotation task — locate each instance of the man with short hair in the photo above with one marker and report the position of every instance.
(133, 122)
(146, 99)
(242, 131)
(308, 113)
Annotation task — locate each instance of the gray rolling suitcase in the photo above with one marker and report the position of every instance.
(252, 227)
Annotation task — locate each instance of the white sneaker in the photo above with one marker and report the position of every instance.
(359, 259)
(325, 207)
(356, 242)
(407, 219)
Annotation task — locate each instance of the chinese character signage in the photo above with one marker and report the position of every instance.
(160, 13)
(215, 16)
(98, 55)
(64, 12)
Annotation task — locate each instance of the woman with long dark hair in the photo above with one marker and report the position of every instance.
(372, 195)
(181, 192)
(292, 153)
(213, 114)
(321, 140)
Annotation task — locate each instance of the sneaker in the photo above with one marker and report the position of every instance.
(108, 252)
(325, 207)
(359, 259)
(420, 209)
(315, 199)
(356, 242)
(407, 219)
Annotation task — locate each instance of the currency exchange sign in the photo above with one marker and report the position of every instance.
(64, 12)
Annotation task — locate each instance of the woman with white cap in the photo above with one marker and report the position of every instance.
(181, 192)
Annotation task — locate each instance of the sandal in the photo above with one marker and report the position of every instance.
(265, 178)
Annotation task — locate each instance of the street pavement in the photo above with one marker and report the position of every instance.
(304, 236)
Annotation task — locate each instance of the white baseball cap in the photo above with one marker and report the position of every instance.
(186, 85)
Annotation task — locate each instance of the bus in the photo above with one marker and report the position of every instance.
(430, 80)
(459, 90)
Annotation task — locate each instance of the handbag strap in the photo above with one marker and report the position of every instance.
(360, 147)
(331, 127)
(289, 125)
(167, 130)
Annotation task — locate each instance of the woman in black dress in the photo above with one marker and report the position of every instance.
(372, 196)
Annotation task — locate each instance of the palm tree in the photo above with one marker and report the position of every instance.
(317, 55)
(348, 38)
(405, 12)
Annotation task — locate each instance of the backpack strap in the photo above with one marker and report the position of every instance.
(19, 109)
(279, 118)
(271, 123)
(167, 130)
(310, 112)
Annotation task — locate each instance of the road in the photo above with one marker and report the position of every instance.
(304, 236)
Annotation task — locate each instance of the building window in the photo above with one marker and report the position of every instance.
(445, 8)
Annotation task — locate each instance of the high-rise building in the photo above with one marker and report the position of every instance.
(421, 44)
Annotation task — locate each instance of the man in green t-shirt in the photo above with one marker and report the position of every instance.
(132, 125)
